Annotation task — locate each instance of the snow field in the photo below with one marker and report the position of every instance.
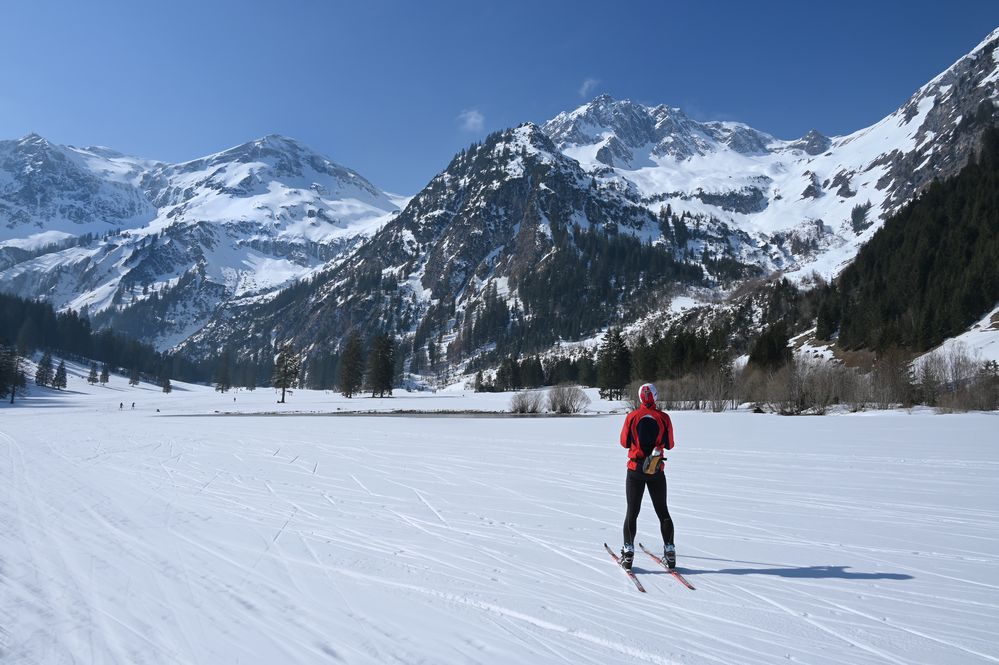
(137, 537)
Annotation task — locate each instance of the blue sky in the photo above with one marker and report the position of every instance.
(394, 89)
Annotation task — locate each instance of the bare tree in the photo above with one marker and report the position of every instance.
(567, 398)
(526, 401)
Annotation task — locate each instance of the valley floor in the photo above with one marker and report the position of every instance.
(131, 536)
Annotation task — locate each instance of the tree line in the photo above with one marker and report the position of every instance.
(929, 272)
(30, 325)
(350, 370)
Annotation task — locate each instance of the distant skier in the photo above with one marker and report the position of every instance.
(133, 405)
(646, 433)
(121, 405)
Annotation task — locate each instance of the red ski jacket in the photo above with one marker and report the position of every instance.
(645, 429)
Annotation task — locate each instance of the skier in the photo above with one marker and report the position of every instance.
(646, 432)
(121, 405)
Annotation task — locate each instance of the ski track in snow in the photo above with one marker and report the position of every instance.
(126, 537)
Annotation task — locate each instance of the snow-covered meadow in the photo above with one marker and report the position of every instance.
(190, 536)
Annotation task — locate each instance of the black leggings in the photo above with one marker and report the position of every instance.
(634, 489)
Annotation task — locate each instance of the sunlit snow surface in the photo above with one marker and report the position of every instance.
(131, 536)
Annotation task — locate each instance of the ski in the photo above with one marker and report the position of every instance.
(630, 574)
(672, 571)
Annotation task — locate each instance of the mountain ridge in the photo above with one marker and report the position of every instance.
(255, 238)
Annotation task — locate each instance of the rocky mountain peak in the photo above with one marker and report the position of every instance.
(32, 139)
(813, 143)
(626, 134)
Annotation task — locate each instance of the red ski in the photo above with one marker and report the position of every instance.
(630, 574)
(672, 571)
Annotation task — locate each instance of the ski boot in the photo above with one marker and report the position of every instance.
(669, 556)
(627, 556)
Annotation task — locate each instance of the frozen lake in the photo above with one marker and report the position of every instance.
(141, 537)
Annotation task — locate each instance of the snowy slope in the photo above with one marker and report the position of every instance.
(136, 537)
(981, 340)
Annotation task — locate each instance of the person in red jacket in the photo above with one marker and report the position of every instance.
(647, 432)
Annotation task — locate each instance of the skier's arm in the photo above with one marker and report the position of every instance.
(669, 432)
(626, 432)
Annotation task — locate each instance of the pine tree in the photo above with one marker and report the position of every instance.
(771, 351)
(351, 366)
(59, 381)
(287, 367)
(43, 375)
(223, 377)
(532, 373)
(587, 372)
(27, 337)
(164, 378)
(381, 365)
(105, 374)
(6, 369)
(92, 377)
(133, 376)
(12, 378)
(644, 360)
(613, 365)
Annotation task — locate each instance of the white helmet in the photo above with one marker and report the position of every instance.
(648, 394)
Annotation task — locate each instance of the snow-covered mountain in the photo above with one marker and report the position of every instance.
(542, 217)
(155, 248)
(774, 189)
(48, 192)
(565, 224)
(512, 212)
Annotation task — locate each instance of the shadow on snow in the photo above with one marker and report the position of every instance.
(801, 572)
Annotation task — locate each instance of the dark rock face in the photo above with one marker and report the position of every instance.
(747, 200)
(842, 182)
(741, 138)
(814, 189)
(813, 143)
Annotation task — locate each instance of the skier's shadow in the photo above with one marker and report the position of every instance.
(800, 572)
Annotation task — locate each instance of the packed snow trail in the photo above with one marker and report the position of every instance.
(137, 538)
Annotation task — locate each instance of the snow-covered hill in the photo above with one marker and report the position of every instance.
(155, 249)
(188, 537)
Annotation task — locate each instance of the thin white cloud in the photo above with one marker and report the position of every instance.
(471, 120)
(589, 85)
